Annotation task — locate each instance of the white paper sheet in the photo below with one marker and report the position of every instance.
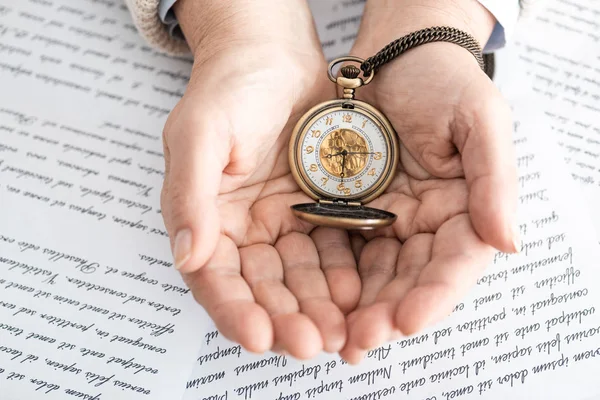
(87, 58)
(90, 306)
(337, 22)
(557, 55)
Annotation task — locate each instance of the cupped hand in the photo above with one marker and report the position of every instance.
(268, 281)
(455, 191)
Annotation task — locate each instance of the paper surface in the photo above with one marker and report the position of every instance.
(90, 306)
(556, 54)
(337, 22)
(79, 219)
(528, 330)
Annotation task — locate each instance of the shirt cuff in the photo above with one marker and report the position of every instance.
(167, 16)
(507, 15)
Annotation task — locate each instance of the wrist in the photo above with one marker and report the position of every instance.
(388, 20)
(210, 26)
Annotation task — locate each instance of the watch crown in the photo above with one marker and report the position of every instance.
(350, 71)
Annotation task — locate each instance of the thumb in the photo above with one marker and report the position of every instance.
(195, 160)
(484, 139)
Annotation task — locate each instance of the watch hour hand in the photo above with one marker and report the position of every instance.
(343, 165)
(334, 155)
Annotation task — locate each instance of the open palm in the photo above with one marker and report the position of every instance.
(269, 281)
(274, 282)
(455, 194)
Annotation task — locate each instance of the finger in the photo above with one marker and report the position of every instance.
(375, 324)
(414, 255)
(353, 355)
(376, 267)
(304, 278)
(458, 258)
(483, 134)
(357, 242)
(263, 270)
(338, 263)
(227, 298)
(189, 196)
(435, 157)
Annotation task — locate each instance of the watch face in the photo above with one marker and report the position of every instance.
(344, 153)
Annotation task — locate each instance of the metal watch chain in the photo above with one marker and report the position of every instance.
(428, 35)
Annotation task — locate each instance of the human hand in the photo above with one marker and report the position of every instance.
(265, 282)
(455, 192)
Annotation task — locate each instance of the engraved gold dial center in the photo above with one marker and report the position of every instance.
(344, 153)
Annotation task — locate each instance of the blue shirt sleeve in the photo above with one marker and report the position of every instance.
(507, 15)
(167, 16)
(497, 39)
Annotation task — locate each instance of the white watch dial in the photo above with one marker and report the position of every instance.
(344, 153)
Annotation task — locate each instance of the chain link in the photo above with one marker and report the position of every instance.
(428, 35)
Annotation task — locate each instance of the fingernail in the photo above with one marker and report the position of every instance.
(516, 239)
(182, 250)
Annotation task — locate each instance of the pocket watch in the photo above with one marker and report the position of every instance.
(343, 153)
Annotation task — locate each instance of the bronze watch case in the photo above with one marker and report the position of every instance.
(346, 212)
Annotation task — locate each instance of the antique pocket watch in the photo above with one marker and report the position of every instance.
(343, 153)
